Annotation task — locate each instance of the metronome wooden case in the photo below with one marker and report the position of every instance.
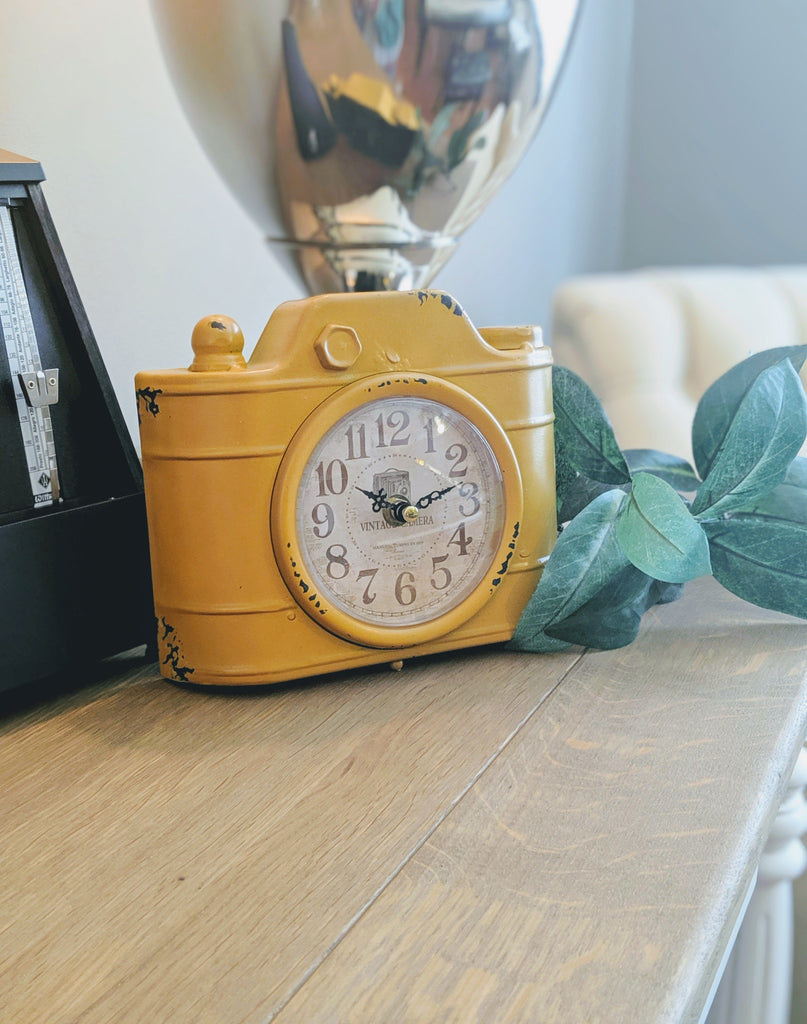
(74, 566)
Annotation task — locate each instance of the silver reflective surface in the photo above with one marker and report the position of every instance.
(364, 136)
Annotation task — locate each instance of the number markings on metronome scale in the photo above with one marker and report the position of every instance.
(19, 339)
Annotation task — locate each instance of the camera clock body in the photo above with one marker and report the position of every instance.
(376, 483)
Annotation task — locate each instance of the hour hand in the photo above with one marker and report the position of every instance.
(379, 500)
(427, 499)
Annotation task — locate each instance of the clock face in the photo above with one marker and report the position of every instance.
(401, 512)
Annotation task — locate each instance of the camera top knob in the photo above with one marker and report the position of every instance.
(218, 344)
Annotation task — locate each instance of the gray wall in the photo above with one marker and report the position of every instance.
(718, 150)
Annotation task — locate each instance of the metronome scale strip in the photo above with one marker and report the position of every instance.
(34, 388)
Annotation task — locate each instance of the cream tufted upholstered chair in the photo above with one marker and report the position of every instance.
(649, 343)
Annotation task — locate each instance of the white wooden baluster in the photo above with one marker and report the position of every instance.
(756, 986)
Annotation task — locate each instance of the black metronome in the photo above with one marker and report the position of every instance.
(74, 566)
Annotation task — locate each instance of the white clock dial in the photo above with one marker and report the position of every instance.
(400, 512)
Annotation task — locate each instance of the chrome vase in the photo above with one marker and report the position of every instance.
(364, 136)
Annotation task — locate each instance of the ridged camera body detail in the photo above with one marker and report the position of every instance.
(377, 482)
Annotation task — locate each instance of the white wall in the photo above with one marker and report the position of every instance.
(156, 242)
(718, 151)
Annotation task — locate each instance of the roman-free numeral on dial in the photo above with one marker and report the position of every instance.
(458, 454)
(462, 541)
(323, 517)
(356, 435)
(332, 478)
(397, 422)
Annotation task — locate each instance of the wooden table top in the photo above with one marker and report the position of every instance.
(485, 836)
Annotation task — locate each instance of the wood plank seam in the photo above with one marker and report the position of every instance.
(314, 967)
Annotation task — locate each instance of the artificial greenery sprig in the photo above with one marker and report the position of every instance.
(637, 525)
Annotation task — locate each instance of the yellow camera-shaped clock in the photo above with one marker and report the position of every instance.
(377, 482)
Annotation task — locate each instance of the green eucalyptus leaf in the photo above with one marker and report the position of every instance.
(796, 475)
(565, 474)
(787, 501)
(585, 559)
(762, 560)
(579, 493)
(586, 435)
(658, 534)
(532, 639)
(610, 618)
(673, 470)
(765, 433)
(719, 404)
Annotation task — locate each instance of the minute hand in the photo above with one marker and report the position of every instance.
(427, 499)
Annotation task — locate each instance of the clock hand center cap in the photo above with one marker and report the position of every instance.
(400, 510)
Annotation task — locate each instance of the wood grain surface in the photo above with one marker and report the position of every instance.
(481, 837)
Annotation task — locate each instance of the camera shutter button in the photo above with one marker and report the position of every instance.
(218, 344)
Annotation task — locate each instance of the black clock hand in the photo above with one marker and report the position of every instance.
(398, 507)
(427, 499)
(379, 500)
